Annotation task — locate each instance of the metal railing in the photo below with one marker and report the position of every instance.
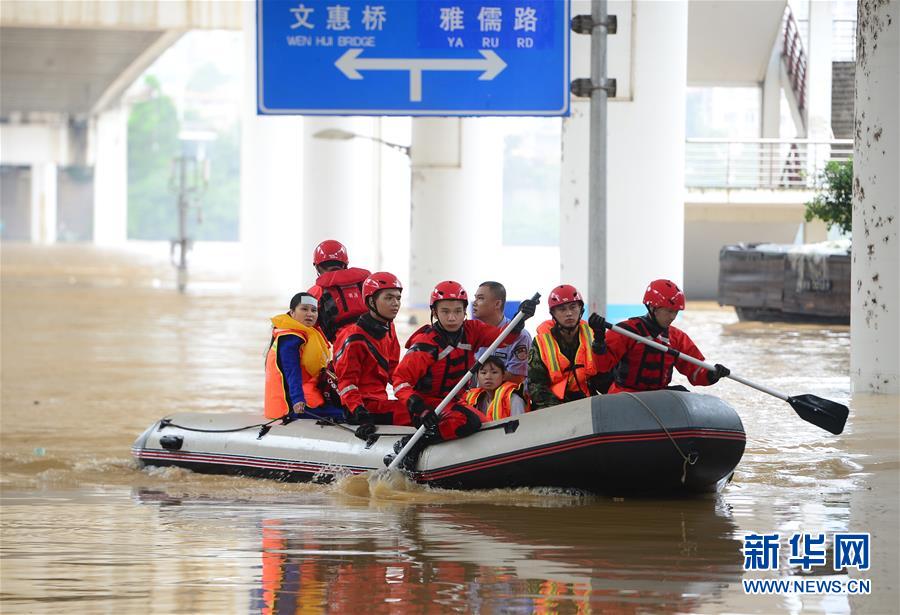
(761, 164)
(794, 58)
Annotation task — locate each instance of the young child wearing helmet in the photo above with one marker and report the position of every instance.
(562, 365)
(439, 355)
(367, 353)
(641, 368)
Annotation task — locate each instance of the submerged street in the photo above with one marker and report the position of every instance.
(97, 345)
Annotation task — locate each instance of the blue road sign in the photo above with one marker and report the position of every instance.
(413, 57)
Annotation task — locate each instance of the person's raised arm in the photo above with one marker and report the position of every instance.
(613, 346)
(698, 376)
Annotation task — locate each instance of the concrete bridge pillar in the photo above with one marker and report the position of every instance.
(645, 164)
(339, 190)
(457, 196)
(271, 189)
(43, 202)
(875, 268)
(110, 156)
(297, 189)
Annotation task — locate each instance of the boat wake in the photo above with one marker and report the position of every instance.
(384, 486)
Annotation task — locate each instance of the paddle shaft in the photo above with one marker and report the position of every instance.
(690, 359)
(420, 432)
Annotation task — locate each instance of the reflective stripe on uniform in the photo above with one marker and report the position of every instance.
(347, 389)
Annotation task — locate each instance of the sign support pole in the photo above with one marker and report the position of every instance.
(597, 258)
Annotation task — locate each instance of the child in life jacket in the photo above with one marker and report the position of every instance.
(295, 361)
(496, 397)
(338, 288)
(438, 356)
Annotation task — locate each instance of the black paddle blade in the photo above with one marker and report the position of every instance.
(829, 415)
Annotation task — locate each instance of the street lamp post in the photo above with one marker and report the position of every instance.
(189, 180)
(337, 134)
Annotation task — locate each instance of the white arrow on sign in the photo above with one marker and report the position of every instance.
(350, 64)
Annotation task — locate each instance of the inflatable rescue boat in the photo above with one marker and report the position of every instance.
(654, 442)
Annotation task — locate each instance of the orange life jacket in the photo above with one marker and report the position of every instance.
(500, 406)
(564, 376)
(314, 355)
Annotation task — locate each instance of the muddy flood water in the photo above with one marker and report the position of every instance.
(96, 346)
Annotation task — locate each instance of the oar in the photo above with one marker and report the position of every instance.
(829, 415)
(459, 385)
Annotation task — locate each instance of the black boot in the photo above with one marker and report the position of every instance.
(412, 457)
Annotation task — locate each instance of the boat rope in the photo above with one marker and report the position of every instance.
(329, 421)
(322, 420)
(168, 423)
(688, 459)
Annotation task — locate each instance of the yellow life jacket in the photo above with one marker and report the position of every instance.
(564, 376)
(500, 406)
(314, 356)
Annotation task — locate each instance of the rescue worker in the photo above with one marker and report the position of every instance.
(495, 396)
(338, 288)
(297, 355)
(562, 365)
(488, 307)
(367, 355)
(639, 367)
(438, 356)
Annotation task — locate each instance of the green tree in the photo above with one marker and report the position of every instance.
(834, 203)
(153, 128)
(153, 143)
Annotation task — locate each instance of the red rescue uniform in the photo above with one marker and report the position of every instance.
(435, 361)
(641, 368)
(367, 353)
(340, 299)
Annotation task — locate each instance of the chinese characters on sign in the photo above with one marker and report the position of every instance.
(807, 551)
(452, 18)
(338, 17)
(413, 57)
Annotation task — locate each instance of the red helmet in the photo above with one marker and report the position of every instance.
(380, 280)
(562, 294)
(449, 290)
(664, 294)
(330, 250)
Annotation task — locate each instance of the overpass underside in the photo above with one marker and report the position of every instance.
(64, 67)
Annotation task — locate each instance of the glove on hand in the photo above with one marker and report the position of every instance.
(720, 372)
(598, 325)
(528, 307)
(416, 407)
(362, 418)
(365, 430)
(430, 420)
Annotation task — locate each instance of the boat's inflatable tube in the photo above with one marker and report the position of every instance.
(654, 442)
